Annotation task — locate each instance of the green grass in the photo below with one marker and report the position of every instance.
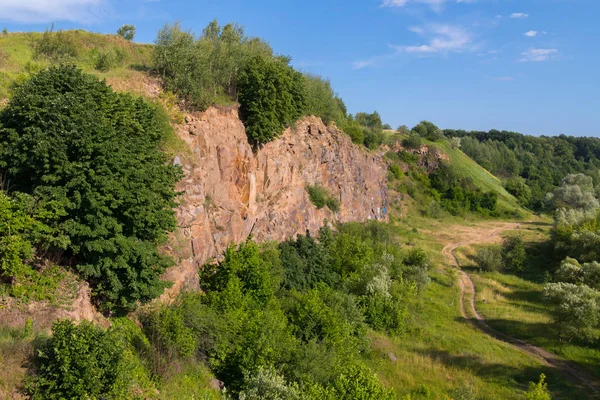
(514, 305)
(483, 179)
(128, 76)
(441, 352)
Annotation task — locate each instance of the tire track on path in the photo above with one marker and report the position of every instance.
(467, 295)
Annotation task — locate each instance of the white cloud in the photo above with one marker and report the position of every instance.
(538, 55)
(519, 15)
(402, 3)
(363, 64)
(43, 11)
(504, 78)
(531, 33)
(441, 39)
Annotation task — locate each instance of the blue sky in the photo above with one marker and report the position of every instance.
(525, 65)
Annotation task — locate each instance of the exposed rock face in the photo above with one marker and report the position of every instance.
(231, 191)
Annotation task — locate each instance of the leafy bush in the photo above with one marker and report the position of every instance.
(205, 70)
(320, 197)
(91, 156)
(455, 142)
(414, 141)
(127, 32)
(306, 263)
(513, 253)
(79, 361)
(57, 46)
(358, 382)
(322, 101)
(489, 259)
(271, 97)
(429, 131)
(519, 188)
(459, 194)
(267, 384)
(354, 130)
(104, 60)
(396, 171)
(538, 391)
(576, 309)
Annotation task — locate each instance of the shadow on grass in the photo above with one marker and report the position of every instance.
(506, 374)
(140, 67)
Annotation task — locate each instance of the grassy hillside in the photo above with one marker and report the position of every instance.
(482, 178)
(18, 58)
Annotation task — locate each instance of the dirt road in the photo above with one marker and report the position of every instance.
(485, 234)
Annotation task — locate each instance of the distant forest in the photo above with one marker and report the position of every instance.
(531, 166)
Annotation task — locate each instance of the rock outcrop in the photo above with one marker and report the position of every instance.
(231, 191)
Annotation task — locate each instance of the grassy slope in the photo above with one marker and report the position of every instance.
(18, 59)
(442, 353)
(482, 178)
(514, 304)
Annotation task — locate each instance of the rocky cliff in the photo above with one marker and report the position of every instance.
(231, 191)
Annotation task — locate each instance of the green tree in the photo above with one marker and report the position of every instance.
(575, 191)
(413, 141)
(94, 156)
(519, 188)
(403, 130)
(429, 131)
(127, 32)
(322, 101)
(576, 309)
(513, 253)
(271, 97)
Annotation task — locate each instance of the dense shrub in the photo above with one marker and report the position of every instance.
(489, 259)
(92, 158)
(79, 361)
(513, 253)
(428, 131)
(305, 263)
(105, 60)
(290, 320)
(320, 197)
(576, 309)
(396, 171)
(57, 46)
(413, 141)
(205, 70)
(322, 101)
(518, 188)
(271, 96)
(459, 194)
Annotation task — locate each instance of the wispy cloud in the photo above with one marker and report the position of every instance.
(436, 4)
(440, 39)
(504, 78)
(531, 33)
(538, 55)
(43, 11)
(519, 15)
